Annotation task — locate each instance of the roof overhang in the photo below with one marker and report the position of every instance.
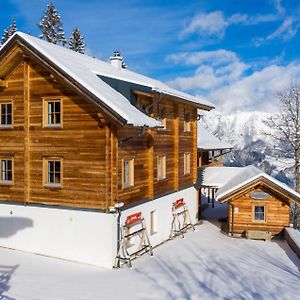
(261, 179)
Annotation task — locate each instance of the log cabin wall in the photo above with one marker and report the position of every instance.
(92, 153)
(172, 142)
(12, 139)
(81, 143)
(277, 213)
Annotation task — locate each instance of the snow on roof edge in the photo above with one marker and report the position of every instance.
(261, 174)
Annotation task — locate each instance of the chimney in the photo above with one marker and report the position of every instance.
(117, 60)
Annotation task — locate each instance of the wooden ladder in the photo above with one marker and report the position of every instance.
(134, 226)
(181, 219)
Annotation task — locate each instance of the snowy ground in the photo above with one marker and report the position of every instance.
(203, 265)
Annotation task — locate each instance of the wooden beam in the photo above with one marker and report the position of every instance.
(26, 96)
(195, 153)
(150, 164)
(137, 92)
(176, 147)
(3, 84)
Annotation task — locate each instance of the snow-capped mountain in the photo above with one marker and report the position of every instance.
(253, 143)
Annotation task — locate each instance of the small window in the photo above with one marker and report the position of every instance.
(6, 170)
(53, 172)
(187, 163)
(153, 222)
(187, 121)
(259, 213)
(6, 114)
(128, 173)
(161, 167)
(52, 113)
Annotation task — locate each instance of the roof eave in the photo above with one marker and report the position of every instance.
(31, 51)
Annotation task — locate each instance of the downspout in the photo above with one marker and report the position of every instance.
(232, 218)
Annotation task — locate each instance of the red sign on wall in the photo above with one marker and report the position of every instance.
(133, 218)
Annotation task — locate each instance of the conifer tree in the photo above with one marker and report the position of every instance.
(51, 26)
(9, 31)
(76, 41)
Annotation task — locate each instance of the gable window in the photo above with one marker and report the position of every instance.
(161, 167)
(6, 114)
(52, 113)
(128, 173)
(187, 121)
(53, 172)
(6, 170)
(259, 213)
(187, 163)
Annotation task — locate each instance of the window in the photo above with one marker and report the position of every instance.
(153, 222)
(161, 167)
(259, 213)
(6, 114)
(187, 163)
(187, 121)
(6, 170)
(53, 172)
(128, 173)
(162, 117)
(52, 113)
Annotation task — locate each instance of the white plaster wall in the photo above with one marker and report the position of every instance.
(82, 236)
(164, 217)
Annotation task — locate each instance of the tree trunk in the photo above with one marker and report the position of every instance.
(297, 176)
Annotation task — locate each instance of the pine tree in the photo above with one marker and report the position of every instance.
(51, 26)
(76, 41)
(9, 31)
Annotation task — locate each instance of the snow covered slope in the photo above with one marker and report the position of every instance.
(248, 133)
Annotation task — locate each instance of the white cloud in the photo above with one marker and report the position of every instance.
(220, 76)
(215, 68)
(280, 9)
(286, 30)
(215, 23)
(256, 91)
(211, 24)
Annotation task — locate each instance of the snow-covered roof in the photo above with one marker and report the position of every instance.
(218, 176)
(207, 141)
(247, 175)
(85, 70)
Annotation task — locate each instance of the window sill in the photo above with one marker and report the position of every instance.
(59, 126)
(126, 187)
(162, 179)
(6, 127)
(53, 186)
(6, 183)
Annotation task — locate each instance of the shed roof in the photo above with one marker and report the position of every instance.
(250, 174)
(85, 70)
(207, 141)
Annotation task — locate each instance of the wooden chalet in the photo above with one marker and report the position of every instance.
(78, 134)
(210, 149)
(256, 201)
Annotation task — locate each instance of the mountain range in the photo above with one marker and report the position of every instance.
(253, 143)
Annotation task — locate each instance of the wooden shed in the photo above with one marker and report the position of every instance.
(256, 202)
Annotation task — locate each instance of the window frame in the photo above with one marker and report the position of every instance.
(46, 101)
(187, 163)
(5, 102)
(187, 121)
(7, 182)
(161, 167)
(153, 222)
(130, 182)
(46, 182)
(254, 220)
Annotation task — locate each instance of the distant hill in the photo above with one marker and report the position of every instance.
(248, 133)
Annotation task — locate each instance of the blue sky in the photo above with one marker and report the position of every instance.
(237, 53)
